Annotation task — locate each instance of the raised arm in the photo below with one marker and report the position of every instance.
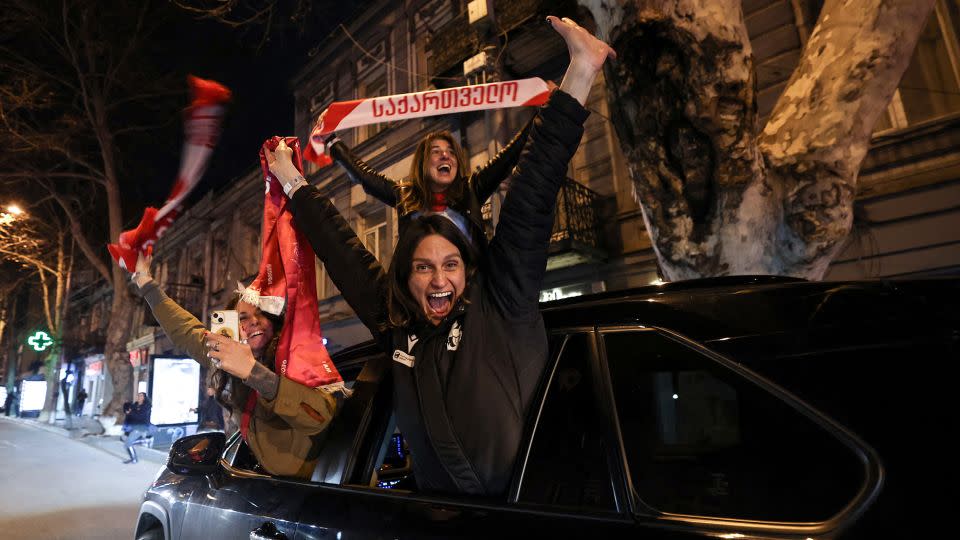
(183, 329)
(518, 252)
(374, 183)
(485, 181)
(353, 269)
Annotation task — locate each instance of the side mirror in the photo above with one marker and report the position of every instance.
(197, 454)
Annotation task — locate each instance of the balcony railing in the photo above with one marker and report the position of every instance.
(577, 218)
(576, 227)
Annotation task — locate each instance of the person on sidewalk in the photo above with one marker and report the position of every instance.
(10, 402)
(137, 424)
(210, 417)
(81, 399)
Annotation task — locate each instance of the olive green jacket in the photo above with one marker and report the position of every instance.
(285, 432)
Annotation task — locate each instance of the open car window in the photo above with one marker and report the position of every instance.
(339, 438)
(568, 461)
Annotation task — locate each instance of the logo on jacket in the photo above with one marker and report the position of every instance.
(453, 338)
(403, 358)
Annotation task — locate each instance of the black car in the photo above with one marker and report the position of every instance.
(727, 408)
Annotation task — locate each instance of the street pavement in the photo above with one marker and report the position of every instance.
(55, 484)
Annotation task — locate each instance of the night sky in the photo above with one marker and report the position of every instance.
(258, 75)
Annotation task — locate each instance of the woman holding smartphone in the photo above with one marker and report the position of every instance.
(283, 423)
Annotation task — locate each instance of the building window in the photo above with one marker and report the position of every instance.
(372, 80)
(321, 100)
(219, 273)
(161, 274)
(251, 256)
(374, 234)
(318, 102)
(325, 286)
(930, 87)
(376, 87)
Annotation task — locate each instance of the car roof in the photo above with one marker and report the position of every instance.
(749, 308)
(737, 306)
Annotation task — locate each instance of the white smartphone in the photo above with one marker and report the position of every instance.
(226, 322)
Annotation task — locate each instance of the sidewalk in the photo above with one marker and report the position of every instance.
(89, 431)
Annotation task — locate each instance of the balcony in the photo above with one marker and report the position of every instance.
(457, 40)
(576, 228)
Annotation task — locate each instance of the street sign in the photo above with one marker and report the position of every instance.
(40, 341)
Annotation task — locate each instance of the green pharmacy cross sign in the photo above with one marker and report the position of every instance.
(40, 341)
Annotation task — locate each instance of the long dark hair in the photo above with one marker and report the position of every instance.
(415, 191)
(236, 398)
(403, 309)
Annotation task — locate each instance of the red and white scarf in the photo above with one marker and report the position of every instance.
(361, 112)
(286, 283)
(202, 121)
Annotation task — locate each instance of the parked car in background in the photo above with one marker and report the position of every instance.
(727, 408)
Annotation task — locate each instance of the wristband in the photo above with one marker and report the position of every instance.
(290, 187)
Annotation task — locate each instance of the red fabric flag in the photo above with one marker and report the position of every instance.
(286, 283)
(202, 128)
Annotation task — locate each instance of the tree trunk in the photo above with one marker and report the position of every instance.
(118, 329)
(716, 198)
(50, 363)
(115, 355)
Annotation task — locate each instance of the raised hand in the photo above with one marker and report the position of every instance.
(280, 162)
(587, 55)
(231, 356)
(141, 274)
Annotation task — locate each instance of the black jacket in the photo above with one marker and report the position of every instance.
(480, 186)
(462, 406)
(137, 414)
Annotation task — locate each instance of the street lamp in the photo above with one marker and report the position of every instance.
(12, 213)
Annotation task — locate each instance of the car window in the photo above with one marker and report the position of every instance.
(394, 462)
(568, 462)
(332, 457)
(702, 439)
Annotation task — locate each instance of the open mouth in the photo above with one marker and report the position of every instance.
(255, 334)
(444, 169)
(440, 302)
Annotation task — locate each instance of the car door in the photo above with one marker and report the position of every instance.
(236, 501)
(565, 484)
(709, 446)
(240, 501)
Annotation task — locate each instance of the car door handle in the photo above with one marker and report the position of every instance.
(267, 531)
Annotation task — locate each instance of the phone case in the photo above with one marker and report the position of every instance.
(226, 323)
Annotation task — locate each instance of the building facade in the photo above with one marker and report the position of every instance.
(907, 219)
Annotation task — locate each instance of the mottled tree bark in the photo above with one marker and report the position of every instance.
(717, 198)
